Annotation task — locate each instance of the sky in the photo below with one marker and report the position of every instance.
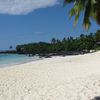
(26, 21)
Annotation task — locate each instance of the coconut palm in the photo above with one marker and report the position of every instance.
(10, 47)
(91, 9)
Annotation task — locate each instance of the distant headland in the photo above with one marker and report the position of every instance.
(66, 46)
(8, 52)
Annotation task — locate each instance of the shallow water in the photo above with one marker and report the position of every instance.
(13, 59)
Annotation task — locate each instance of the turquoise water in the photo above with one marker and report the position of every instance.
(13, 59)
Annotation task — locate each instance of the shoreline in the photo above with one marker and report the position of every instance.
(19, 63)
(41, 58)
(56, 78)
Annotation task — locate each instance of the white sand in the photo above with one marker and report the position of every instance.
(57, 78)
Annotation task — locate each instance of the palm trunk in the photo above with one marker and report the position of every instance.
(98, 17)
(98, 12)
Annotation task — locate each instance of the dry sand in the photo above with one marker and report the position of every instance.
(57, 78)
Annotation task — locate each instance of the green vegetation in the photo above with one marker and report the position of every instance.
(91, 9)
(81, 44)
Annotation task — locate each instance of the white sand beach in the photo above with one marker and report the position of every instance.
(57, 78)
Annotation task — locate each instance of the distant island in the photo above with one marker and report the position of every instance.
(8, 52)
(66, 46)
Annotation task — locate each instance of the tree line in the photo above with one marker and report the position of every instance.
(82, 43)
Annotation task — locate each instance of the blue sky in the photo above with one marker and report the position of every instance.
(33, 24)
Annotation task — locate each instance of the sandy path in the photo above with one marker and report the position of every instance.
(57, 78)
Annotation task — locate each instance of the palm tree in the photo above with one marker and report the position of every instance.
(53, 41)
(91, 9)
(10, 47)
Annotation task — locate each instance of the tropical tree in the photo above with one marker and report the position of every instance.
(53, 41)
(91, 9)
(97, 36)
(10, 47)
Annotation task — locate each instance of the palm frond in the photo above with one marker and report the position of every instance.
(91, 9)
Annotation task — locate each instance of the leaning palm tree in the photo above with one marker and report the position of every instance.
(91, 9)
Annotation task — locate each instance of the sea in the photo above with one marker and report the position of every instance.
(7, 60)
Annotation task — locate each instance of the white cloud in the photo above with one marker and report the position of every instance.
(17, 7)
